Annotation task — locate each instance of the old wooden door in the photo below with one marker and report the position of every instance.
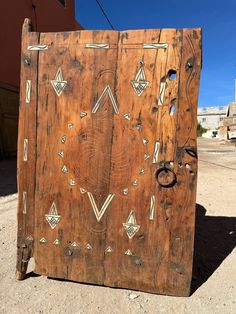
(107, 156)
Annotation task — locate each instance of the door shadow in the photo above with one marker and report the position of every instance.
(215, 238)
(8, 180)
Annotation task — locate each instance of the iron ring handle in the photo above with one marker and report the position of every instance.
(166, 170)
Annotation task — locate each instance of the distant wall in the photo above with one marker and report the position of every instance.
(45, 15)
(9, 103)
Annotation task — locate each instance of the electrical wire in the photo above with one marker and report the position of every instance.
(104, 13)
(35, 16)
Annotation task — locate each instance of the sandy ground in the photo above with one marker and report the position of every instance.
(214, 278)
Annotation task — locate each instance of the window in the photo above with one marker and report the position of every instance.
(221, 118)
(204, 119)
(63, 2)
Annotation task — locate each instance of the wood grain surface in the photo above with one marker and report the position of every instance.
(111, 169)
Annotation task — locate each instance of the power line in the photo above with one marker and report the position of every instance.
(104, 13)
(35, 16)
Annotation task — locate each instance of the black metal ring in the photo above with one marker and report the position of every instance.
(169, 184)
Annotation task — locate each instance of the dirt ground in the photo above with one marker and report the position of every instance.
(214, 275)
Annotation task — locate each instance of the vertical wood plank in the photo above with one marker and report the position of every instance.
(149, 248)
(183, 222)
(26, 151)
(87, 73)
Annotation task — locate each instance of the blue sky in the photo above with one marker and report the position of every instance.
(216, 17)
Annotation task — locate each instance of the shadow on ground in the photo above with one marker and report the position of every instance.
(8, 183)
(215, 238)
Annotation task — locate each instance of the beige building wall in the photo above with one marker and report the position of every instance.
(211, 117)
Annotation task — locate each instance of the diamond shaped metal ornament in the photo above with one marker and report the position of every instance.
(140, 83)
(58, 83)
(130, 225)
(52, 217)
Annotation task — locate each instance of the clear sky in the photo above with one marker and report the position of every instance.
(216, 17)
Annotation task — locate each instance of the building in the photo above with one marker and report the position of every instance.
(45, 16)
(227, 129)
(211, 117)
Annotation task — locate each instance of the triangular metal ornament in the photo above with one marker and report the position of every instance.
(82, 191)
(146, 156)
(108, 250)
(70, 125)
(128, 252)
(88, 246)
(127, 116)
(126, 191)
(52, 217)
(130, 225)
(58, 83)
(63, 139)
(74, 244)
(135, 182)
(72, 182)
(107, 90)
(64, 169)
(61, 153)
(83, 114)
(142, 171)
(30, 238)
(140, 83)
(43, 240)
(99, 213)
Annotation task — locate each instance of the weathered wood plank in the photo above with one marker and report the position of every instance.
(87, 74)
(26, 151)
(149, 259)
(183, 222)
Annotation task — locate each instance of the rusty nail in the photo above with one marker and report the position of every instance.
(27, 61)
(189, 64)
